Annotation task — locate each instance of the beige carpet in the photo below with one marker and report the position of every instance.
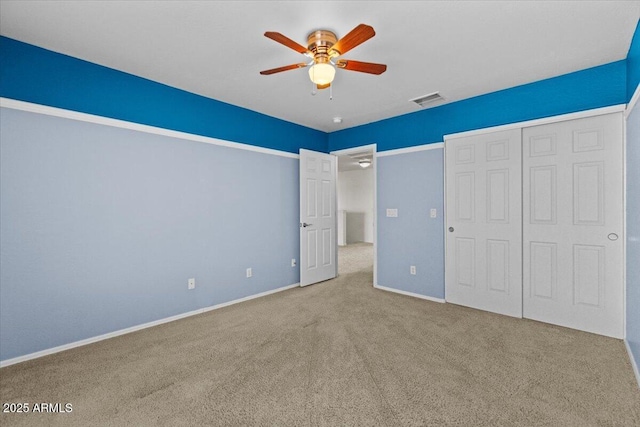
(336, 353)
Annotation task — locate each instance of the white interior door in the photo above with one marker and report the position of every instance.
(483, 266)
(318, 227)
(573, 224)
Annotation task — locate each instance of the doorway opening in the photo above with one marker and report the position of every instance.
(356, 209)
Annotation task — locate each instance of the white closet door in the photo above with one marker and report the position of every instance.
(573, 224)
(484, 234)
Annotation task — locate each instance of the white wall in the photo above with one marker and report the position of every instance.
(355, 195)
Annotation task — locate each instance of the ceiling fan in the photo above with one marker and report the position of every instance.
(323, 47)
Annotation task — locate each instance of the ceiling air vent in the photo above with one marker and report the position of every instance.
(427, 99)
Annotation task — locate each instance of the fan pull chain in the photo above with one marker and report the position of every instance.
(331, 93)
(313, 85)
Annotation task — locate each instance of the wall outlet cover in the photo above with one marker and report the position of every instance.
(191, 284)
(249, 272)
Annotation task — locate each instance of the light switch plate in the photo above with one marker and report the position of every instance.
(191, 284)
(392, 213)
(433, 213)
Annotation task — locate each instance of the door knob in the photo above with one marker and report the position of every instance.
(450, 229)
(613, 236)
(304, 224)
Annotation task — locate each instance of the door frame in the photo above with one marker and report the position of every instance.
(374, 163)
(334, 204)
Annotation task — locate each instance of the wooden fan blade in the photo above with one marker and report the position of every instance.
(323, 86)
(363, 67)
(285, 68)
(358, 35)
(286, 41)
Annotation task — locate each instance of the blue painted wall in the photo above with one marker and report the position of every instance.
(413, 183)
(592, 88)
(633, 63)
(633, 232)
(101, 227)
(37, 75)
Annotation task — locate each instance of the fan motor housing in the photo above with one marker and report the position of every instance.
(319, 42)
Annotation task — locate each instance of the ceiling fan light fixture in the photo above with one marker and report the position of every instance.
(322, 73)
(364, 163)
(324, 47)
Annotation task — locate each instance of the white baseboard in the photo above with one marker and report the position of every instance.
(410, 294)
(113, 334)
(250, 297)
(633, 362)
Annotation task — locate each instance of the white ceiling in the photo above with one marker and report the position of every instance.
(216, 49)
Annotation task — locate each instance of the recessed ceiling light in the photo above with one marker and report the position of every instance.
(337, 120)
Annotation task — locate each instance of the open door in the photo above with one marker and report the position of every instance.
(318, 226)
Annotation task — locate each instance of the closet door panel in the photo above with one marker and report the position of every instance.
(483, 220)
(573, 224)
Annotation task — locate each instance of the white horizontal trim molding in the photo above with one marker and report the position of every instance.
(370, 147)
(410, 294)
(633, 362)
(397, 151)
(633, 102)
(114, 334)
(543, 121)
(91, 118)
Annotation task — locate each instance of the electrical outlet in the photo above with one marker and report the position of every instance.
(293, 262)
(412, 270)
(191, 284)
(249, 272)
(392, 213)
(433, 213)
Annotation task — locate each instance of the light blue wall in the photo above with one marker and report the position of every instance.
(32, 74)
(633, 202)
(101, 227)
(413, 183)
(633, 232)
